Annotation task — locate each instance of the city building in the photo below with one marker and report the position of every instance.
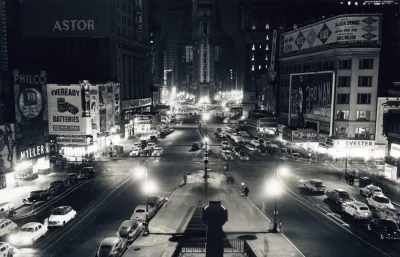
(99, 41)
(203, 38)
(329, 77)
(260, 23)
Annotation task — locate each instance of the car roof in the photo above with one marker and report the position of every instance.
(359, 204)
(128, 223)
(157, 148)
(341, 190)
(62, 208)
(316, 180)
(31, 225)
(71, 174)
(109, 241)
(142, 206)
(38, 191)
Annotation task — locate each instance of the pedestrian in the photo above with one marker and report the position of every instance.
(346, 176)
(351, 178)
(246, 191)
(280, 226)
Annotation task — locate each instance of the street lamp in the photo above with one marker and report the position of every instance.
(206, 158)
(206, 117)
(275, 189)
(144, 169)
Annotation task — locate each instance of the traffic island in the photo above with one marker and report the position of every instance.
(179, 228)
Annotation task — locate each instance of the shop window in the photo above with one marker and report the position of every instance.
(364, 99)
(342, 98)
(344, 81)
(363, 115)
(365, 81)
(342, 115)
(345, 64)
(342, 132)
(366, 64)
(362, 133)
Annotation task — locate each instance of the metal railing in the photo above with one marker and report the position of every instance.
(199, 246)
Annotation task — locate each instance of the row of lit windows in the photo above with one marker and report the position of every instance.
(253, 48)
(259, 67)
(364, 64)
(254, 27)
(361, 98)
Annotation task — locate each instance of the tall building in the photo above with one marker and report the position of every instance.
(260, 22)
(329, 82)
(203, 38)
(177, 19)
(99, 41)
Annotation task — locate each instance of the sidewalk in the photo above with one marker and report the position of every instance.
(15, 194)
(245, 221)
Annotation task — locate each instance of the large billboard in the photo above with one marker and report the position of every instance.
(312, 100)
(344, 29)
(51, 18)
(30, 97)
(65, 110)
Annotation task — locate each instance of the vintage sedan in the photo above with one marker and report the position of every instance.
(136, 152)
(28, 234)
(339, 196)
(157, 151)
(130, 229)
(315, 186)
(112, 247)
(379, 201)
(139, 213)
(385, 228)
(370, 190)
(357, 210)
(61, 216)
(35, 196)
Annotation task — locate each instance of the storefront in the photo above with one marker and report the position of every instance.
(304, 138)
(353, 149)
(75, 147)
(131, 108)
(32, 161)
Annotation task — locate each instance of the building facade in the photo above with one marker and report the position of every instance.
(329, 77)
(260, 23)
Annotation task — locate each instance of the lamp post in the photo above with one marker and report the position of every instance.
(206, 158)
(146, 165)
(275, 228)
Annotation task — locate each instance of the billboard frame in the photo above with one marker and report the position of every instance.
(332, 95)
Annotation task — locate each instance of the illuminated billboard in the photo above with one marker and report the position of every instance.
(343, 29)
(311, 100)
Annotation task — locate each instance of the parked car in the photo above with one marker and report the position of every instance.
(71, 179)
(7, 227)
(357, 210)
(136, 145)
(385, 228)
(370, 190)
(56, 187)
(57, 158)
(137, 151)
(35, 196)
(153, 139)
(112, 247)
(28, 234)
(87, 173)
(226, 154)
(139, 213)
(157, 151)
(6, 250)
(195, 146)
(151, 145)
(315, 186)
(379, 201)
(339, 196)
(156, 201)
(225, 144)
(243, 156)
(130, 229)
(161, 135)
(61, 216)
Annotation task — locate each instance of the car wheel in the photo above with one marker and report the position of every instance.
(382, 237)
(369, 227)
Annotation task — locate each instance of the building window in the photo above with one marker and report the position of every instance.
(362, 133)
(267, 38)
(345, 64)
(253, 27)
(344, 81)
(366, 64)
(363, 115)
(259, 67)
(364, 99)
(342, 115)
(252, 58)
(253, 48)
(365, 81)
(343, 98)
(342, 131)
(267, 26)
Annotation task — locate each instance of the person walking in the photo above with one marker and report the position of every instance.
(246, 191)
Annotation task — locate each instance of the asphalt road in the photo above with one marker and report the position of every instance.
(106, 201)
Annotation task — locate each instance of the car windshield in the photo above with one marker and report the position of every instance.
(344, 194)
(364, 208)
(377, 190)
(27, 230)
(34, 193)
(58, 212)
(140, 210)
(381, 199)
(318, 184)
(136, 149)
(105, 250)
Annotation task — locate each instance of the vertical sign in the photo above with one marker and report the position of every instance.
(102, 107)
(94, 108)
(110, 107)
(117, 116)
(7, 147)
(138, 15)
(273, 51)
